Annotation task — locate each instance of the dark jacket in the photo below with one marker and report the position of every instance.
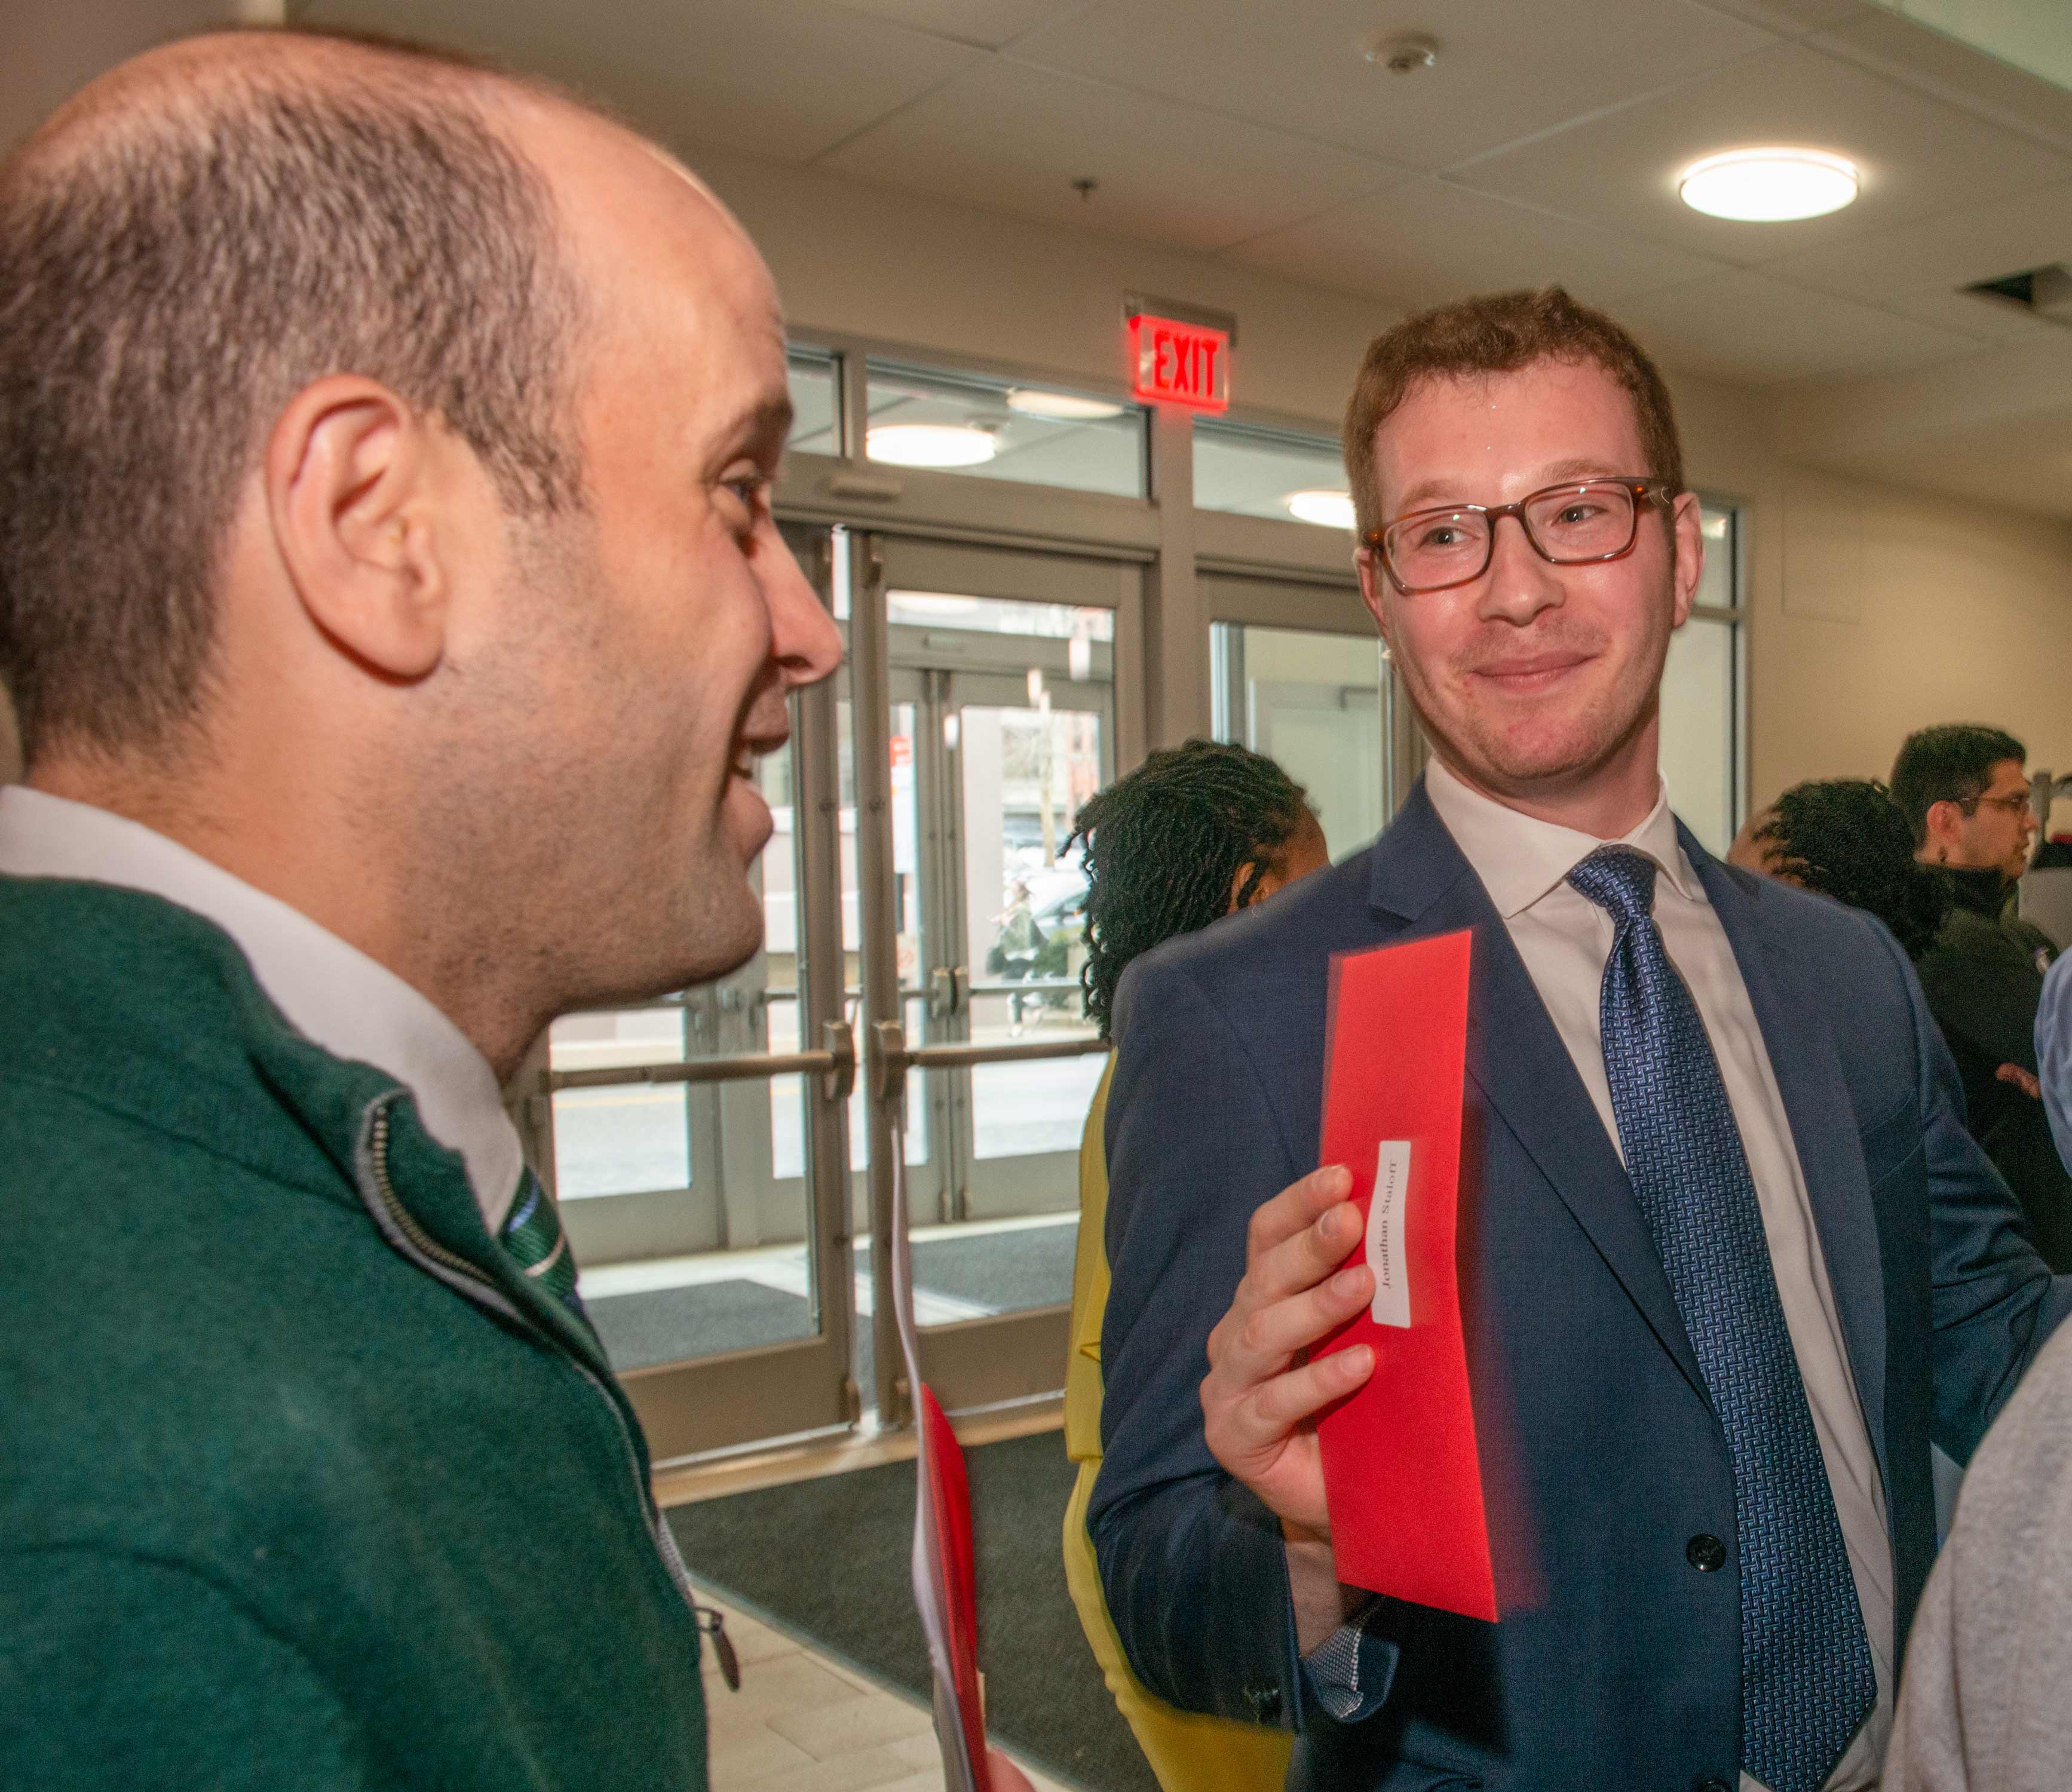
(1984, 977)
(1618, 1662)
(304, 1485)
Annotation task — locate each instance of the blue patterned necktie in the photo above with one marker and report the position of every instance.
(1806, 1679)
(533, 1240)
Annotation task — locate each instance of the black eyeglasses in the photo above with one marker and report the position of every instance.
(2015, 804)
(1574, 524)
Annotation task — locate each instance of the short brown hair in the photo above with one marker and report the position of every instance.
(1500, 333)
(174, 267)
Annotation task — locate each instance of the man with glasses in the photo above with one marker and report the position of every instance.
(1964, 791)
(1729, 1259)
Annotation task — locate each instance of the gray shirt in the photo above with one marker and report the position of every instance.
(1986, 1702)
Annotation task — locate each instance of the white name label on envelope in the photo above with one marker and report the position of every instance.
(1386, 1220)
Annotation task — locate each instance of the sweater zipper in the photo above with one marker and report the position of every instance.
(458, 1267)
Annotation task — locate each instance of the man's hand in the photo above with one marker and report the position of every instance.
(1257, 1399)
(1005, 1776)
(2026, 1081)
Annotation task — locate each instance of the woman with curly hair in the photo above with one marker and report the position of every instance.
(1195, 833)
(1846, 838)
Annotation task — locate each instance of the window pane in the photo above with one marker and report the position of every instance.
(1720, 528)
(813, 376)
(1269, 473)
(992, 430)
(1698, 730)
(1311, 701)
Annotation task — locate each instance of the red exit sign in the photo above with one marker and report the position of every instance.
(1176, 363)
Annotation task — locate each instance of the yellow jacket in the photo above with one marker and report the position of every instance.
(1188, 1751)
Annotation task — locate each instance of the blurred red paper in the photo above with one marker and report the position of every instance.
(948, 1523)
(1402, 1477)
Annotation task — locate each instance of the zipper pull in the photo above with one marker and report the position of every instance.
(713, 1624)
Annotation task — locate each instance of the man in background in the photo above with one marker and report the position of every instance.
(1964, 792)
(390, 598)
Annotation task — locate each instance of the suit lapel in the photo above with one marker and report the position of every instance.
(1807, 1061)
(1517, 1061)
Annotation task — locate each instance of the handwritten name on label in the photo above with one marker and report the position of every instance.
(1386, 1222)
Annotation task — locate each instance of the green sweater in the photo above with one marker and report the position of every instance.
(302, 1484)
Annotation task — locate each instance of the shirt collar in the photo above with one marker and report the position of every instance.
(332, 993)
(1520, 858)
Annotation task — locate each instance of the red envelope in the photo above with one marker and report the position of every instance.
(946, 1524)
(1402, 1476)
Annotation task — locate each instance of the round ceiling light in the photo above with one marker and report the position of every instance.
(1769, 186)
(930, 445)
(1330, 510)
(1060, 407)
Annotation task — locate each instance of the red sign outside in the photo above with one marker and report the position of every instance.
(1172, 363)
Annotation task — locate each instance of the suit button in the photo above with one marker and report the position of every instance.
(1710, 1782)
(1705, 1552)
(1264, 1698)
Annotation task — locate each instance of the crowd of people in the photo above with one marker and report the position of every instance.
(393, 609)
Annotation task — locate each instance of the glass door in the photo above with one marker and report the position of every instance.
(1298, 673)
(1001, 708)
(697, 1148)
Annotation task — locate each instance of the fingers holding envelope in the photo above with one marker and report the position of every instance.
(1260, 1394)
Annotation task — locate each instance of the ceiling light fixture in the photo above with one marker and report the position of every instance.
(1330, 510)
(930, 445)
(1060, 407)
(1769, 186)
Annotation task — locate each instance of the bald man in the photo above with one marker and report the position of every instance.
(390, 598)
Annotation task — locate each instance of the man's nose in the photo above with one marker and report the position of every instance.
(805, 639)
(1519, 583)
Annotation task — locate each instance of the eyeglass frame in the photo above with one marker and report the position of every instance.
(1645, 489)
(2014, 803)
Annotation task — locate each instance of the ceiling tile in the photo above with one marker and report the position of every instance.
(987, 22)
(782, 78)
(1914, 55)
(1790, 17)
(1753, 330)
(1918, 156)
(1920, 268)
(1506, 68)
(1015, 138)
(1431, 240)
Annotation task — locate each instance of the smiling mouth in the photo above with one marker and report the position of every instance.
(1530, 674)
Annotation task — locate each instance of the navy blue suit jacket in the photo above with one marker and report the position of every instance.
(1616, 1663)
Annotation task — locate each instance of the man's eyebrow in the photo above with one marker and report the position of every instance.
(765, 427)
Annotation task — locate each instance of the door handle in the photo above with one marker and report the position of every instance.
(942, 993)
(960, 986)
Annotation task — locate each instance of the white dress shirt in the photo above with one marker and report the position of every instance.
(332, 993)
(1565, 940)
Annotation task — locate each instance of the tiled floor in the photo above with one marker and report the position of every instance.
(801, 1723)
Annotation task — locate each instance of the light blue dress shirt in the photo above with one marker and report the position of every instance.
(2054, 1052)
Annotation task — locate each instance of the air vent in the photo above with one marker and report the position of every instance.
(2046, 292)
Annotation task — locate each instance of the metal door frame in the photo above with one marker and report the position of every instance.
(1006, 1357)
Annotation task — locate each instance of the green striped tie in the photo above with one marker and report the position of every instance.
(533, 1237)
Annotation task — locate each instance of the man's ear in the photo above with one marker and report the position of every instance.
(1686, 523)
(1944, 820)
(1374, 590)
(349, 496)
